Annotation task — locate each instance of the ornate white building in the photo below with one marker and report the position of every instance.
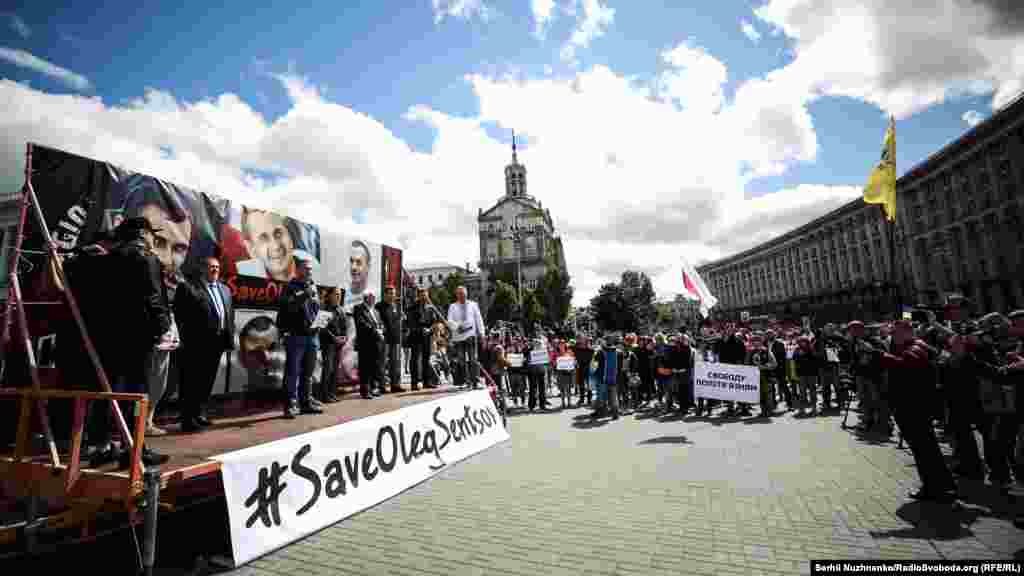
(517, 236)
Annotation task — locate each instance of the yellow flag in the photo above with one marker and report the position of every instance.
(881, 187)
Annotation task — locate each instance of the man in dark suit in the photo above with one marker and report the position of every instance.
(391, 316)
(207, 319)
(135, 302)
(370, 346)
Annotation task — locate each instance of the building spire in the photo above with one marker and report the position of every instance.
(514, 159)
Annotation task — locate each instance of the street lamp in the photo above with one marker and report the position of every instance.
(516, 233)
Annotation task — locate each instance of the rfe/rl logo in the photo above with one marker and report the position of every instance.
(266, 495)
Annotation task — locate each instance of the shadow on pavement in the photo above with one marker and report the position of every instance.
(989, 500)
(759, 420)
(586, 423)
(723, 420)
(680, 439)
(933, 521)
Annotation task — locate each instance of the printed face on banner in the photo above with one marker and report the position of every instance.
(168, 208)
(263, 244)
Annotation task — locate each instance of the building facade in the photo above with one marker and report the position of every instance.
(960, 229)
(435, 274)
(517, 237)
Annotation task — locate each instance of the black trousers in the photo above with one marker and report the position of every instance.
(371, 368)
(198, 373)
(328, 388)
(419, 363)
(916, 428)
(126, 375)
(538, 387)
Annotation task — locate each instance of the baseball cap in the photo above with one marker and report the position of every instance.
(130, 227)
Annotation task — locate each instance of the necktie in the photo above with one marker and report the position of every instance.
(217, 303)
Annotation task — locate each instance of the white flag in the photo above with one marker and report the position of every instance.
(694, 288)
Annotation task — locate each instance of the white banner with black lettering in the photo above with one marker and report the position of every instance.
(731, 382)
(284, 490)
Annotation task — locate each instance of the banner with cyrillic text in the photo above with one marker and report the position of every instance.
(730, 382)
(282, 491)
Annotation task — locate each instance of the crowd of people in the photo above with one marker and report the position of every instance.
(958, 374)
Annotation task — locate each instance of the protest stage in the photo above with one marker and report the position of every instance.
(195, 472)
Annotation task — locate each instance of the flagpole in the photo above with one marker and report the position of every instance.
(897, 297)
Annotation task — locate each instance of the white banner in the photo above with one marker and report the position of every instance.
(731, 382)
(539, 357)
(565, 363)
(282, 491)
(516, 360)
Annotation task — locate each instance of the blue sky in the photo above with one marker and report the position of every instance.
(381, 59)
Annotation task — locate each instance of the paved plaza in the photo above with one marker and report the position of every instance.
(662, 496)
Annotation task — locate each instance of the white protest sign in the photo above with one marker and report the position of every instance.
(282, 491)
(565, 363)
(730, 382)
(516, 360)
(539, 357)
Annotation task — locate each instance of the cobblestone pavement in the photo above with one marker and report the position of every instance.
(659, 495)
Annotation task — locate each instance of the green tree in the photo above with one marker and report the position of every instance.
(607, 307)
(533, 310)
(627, 305)
(556, 295)
(504, 303)
(638, 295)
(443, 295)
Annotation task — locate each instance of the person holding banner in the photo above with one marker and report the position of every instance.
(538, 361)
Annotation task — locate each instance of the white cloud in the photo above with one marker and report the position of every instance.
(973, 117)
(26, 60)
(592, 24)
(18, 25)
(695, 80)
(635, 171)
(464, 9)
(543, 14)
(902, 56)
(750, 31)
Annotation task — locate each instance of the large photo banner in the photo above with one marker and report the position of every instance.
(282, 491)
(82, 199)
(730, 382)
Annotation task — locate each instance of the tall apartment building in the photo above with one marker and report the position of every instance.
(960, 229)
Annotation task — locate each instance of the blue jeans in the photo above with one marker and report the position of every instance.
(600, 388)
(298, 367)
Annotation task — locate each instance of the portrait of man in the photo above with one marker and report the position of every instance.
(359, 264)
(272, 241)
(168, 211)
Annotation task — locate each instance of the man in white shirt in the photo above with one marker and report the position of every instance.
(466, 315)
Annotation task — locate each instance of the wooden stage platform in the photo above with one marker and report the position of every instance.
(191, 474)
(261, 422)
